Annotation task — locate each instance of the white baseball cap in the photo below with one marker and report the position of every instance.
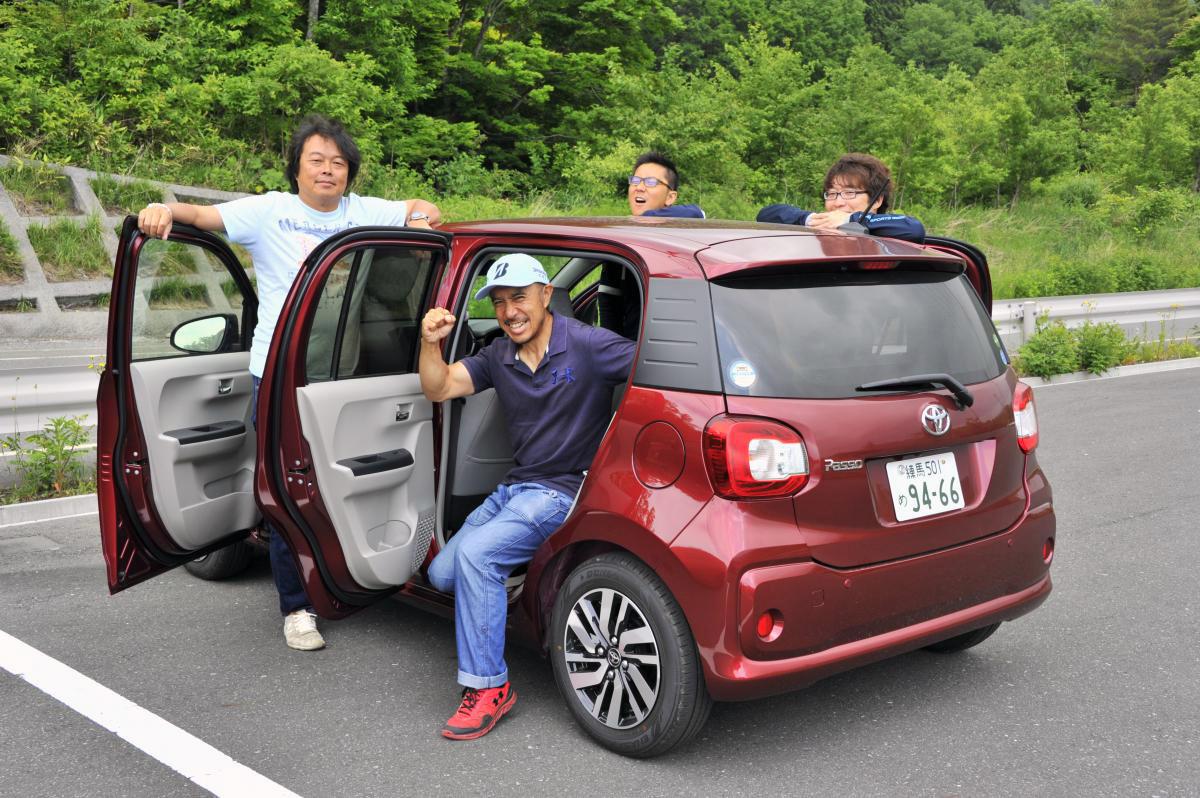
(515, 270)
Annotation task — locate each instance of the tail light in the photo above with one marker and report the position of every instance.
(754, 458)
(1025, 417)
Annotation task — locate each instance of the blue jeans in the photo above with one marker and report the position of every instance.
(288, 584)
(500, 535)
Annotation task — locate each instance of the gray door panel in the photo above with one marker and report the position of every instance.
(485, 452)
(384, 515)
(195, 417)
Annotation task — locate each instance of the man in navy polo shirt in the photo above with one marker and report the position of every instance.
(554, 377)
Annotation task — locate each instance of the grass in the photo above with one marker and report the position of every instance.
(69, 251)
(84, 302)
(1043, 249)
(120, 198)
(166, 259)
(240, 252)
(175, 292)
(230, 289)
(22, 304)
(11, 268)
(37, 190)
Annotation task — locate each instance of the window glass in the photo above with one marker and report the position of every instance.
(178, 283)
(368, 315)
(822, 335)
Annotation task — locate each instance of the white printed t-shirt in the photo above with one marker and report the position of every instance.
(279, 231)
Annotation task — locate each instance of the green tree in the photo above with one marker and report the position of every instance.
(939, 33)
(823, 32)
(1159, 145)
(1136, 46)
(1037, 127)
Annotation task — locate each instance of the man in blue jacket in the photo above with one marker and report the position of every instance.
(858, 188)
(654, 186)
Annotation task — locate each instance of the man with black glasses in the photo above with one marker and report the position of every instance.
(654, 186)
(858, 189)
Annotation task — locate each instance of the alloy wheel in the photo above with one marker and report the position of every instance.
(612, 657)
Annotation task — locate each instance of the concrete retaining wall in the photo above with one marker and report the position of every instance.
(52, 319)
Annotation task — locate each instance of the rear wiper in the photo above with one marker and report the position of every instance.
(917, 382)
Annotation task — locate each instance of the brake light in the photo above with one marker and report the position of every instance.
(1025, 417)
(754, 458)
(872, 265)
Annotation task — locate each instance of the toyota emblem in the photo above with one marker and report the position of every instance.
(935, 419)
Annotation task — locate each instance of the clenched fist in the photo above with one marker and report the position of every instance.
(436, 325)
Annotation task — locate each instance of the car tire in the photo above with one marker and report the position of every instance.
(223, 563)
(964, 641)
(649, 696)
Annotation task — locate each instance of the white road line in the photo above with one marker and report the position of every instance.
(44, 520)
(188, 755)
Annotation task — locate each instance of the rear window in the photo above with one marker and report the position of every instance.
(819, 335)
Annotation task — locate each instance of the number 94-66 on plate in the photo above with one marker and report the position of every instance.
(924, 486)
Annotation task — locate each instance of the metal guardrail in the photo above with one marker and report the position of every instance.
(1175, 312)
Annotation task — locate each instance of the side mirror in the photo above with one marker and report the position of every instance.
(206, 335)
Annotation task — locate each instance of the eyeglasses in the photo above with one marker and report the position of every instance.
(847, 194)
(648, 182)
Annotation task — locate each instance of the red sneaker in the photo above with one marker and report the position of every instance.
(479, 711)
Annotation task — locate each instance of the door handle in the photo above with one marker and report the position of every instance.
(225, 386)
(403, 412)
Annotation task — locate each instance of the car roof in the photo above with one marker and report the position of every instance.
(721, 246)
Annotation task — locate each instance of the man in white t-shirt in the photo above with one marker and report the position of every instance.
(280, 230)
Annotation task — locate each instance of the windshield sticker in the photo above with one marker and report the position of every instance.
(742, 373)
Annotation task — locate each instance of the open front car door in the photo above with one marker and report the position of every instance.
(347, 472)
(175, 451)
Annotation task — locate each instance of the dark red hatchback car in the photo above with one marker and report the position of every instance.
(822, 457)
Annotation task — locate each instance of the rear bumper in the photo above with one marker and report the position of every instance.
(834, 620)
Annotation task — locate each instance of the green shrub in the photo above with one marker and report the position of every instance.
(48, 463)
(465, 175)
(1140, 272)
(1148, 209)
(1074, 190)
(1101, 346)
(125, 198)
(1053, 349)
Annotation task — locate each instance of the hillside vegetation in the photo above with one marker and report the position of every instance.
(1063, 136)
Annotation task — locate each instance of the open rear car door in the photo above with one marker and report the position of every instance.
(347, 473)
(175, 453)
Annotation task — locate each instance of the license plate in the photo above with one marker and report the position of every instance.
(924, 486)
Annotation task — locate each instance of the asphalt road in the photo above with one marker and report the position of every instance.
(1097, 693)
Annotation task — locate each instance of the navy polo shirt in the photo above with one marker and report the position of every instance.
(557, 415)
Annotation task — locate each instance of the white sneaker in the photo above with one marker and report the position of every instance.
(300, 631)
